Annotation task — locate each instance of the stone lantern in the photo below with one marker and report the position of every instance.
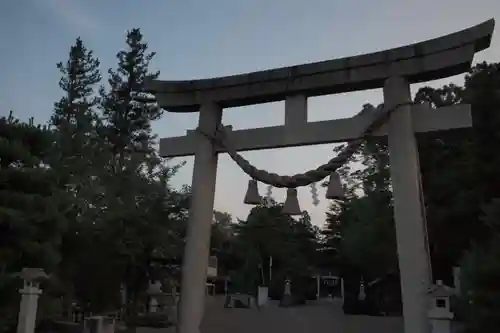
(154, 292)
(29, 298)
(439, 313)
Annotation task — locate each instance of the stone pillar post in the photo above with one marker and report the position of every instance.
(123, 298)
(414, 263)
(196, 252)
(318, 287)
(28, 308)
(456, 280)
(342, 288)
(362, 294)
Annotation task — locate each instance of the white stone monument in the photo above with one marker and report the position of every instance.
(262, 295)
(393, 70)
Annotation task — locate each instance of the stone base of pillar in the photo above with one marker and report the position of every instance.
(286, 301)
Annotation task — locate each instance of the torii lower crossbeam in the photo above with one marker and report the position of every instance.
(424, 118)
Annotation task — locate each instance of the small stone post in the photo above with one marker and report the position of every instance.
(318, 287)
(456, 279)
(342, 288)
(362, 294)
(288, 288)
(287, 294)
(29, 299)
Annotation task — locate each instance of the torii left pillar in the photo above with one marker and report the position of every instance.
(197, 248)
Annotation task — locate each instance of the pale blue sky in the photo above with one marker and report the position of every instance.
(206, 38)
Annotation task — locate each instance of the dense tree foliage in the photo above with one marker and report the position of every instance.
(31, 222)
(461, 185)
(31, 215)
(359, 232)
(88, 198)
(460, 177)
(270, 246)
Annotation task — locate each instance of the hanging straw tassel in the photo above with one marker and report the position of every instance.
(291, 206)
(252, 196)
(335, 189)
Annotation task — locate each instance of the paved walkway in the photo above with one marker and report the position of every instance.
(317, 318)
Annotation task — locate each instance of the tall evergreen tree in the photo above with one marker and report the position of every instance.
(126, 108)
(80, 74)
(74, 121)
(75, 153)
(74, 115)
(108, 163)
(136, 175)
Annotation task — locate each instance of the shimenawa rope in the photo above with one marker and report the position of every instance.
(308, 177)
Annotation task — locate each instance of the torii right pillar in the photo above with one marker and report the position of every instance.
(409, 213)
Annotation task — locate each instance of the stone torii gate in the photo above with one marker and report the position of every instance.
(393, 70)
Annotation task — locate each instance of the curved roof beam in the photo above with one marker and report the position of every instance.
(429, 60)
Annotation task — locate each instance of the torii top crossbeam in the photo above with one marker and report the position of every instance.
(425, 61)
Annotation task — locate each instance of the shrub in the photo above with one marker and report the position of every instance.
(479, 304)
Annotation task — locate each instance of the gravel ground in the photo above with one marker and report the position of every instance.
(314, 318)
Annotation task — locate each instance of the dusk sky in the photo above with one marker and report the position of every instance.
(208, 38)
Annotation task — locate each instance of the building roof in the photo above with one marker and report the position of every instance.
(440, 290)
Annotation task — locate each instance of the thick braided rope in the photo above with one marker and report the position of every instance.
(308, 177)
